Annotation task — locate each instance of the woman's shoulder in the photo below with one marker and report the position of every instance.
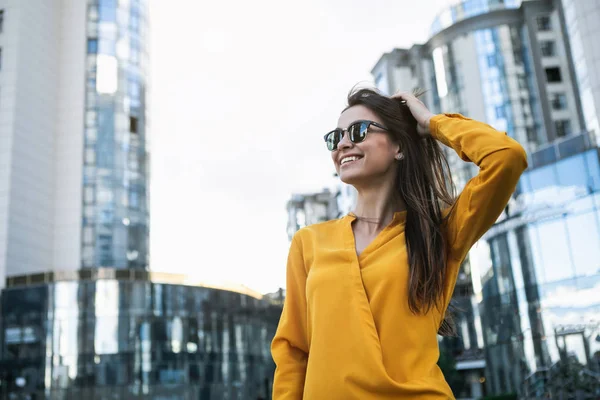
(320, 229)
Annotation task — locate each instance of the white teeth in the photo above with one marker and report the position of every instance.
(348, 159)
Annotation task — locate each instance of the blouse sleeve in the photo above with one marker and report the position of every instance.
(290, 347)
(501, 161)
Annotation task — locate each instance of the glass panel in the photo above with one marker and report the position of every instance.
(556, 255)
(593, 168)
(92, 46)
(107, 317)
(572, 172)
(107, 10)
(543, 177)
(584, 238)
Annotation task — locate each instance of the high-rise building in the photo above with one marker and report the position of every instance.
(81, 315)
(74, 169)
(308, 209)
(531, 69)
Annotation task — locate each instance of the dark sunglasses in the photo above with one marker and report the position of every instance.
(357, 132)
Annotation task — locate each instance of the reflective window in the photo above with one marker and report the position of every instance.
(543, 23)
(558, 101)
(107, 10)
(556, 254)
(573, 172)
(541, 178)
(563, 127)
(584, 241)
(92, 46)
(548, 48)
(592, 163)
(553, 74)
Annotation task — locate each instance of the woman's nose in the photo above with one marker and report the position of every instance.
(345, 143)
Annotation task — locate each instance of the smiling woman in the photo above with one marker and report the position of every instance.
(367, 294)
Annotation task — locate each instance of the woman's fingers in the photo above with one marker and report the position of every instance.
(417, 109)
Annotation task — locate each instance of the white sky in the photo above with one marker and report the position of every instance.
(241, 95)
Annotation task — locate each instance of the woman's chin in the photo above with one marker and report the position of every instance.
(351, 177)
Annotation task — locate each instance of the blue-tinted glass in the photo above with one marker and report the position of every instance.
(543, 177)
(593, 168)
(134, 90)
(134, 20)
(92, 46)
(555, 251)
(500, 112)
(108, 14)
(572, 172)
(584, 238)
(107, 10)
(107, 46)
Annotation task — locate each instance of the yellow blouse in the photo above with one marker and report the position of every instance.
(346, 331)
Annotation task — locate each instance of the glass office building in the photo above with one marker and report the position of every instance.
(534, 312)
(545, 251)
(131, 334)
(115, 173)
(82, 317)
(541, 304)
(467, 9)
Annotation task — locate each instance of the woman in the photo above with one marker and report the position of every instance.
(367, 293)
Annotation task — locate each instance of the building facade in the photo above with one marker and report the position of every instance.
(312, 208)
(73, 135)
(115, 172)
(81, 315)
(107, 333)
(529, 69)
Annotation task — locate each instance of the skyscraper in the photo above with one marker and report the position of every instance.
(81, 315)
(528, 68)
(74, 139)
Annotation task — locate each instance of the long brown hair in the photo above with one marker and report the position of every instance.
(425, 184)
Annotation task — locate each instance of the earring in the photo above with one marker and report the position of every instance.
(400, 156)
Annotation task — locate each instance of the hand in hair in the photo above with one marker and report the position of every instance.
(418, 110)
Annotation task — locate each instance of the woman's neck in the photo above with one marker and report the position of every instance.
(376, 205)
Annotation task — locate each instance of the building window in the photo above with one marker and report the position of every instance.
(531, 134)
(107, 10)
(563, 127)
(558, 101)
(1, 21)
(133, 125)
(553, 74)
(548, 48)
(543, 23)
(500, 114)
(92, 46)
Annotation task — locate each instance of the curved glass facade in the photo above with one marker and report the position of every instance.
(115, 201)
(128, 338)
(467, 9)
(536, 276)
(541, 292)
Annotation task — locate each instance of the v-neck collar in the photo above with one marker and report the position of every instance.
(398, 218)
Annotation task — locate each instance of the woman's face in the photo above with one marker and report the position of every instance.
(375, 155)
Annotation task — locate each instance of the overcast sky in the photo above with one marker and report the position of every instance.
(241, 95)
